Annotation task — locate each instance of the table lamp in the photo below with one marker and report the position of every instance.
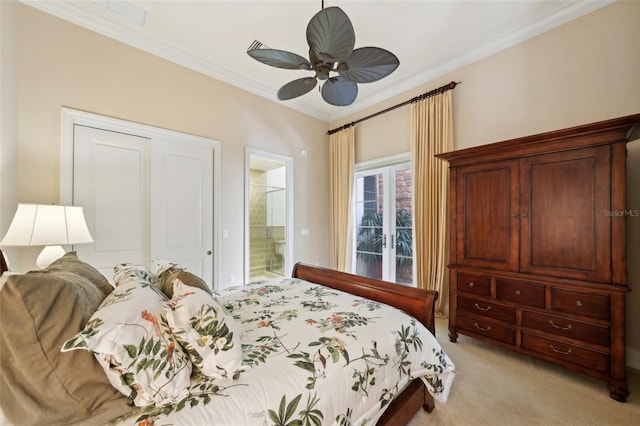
(47, 225)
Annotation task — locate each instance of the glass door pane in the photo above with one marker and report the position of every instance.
(403, 240)
(369, 228)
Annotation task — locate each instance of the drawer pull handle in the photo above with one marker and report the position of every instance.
(559, 326)
(481, 328)
(480, 308)
(471, 284)
(579, 302)
(518, 292)
(568, 352)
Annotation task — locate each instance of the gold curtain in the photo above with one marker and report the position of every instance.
(341, 172)
(432, 133)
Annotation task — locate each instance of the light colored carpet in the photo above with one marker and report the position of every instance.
(494, 386)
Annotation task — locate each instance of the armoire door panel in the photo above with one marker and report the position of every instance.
(564, 229)
(487, 206)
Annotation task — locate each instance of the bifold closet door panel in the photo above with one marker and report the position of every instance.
(110, 175)
(182, 205)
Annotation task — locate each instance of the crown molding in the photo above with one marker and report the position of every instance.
(133, 37)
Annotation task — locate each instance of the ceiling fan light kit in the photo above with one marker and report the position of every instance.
(331, 40)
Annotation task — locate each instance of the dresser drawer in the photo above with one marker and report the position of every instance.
(487, 328)
(487, 309)
(580, 303)
(521, 293)
(566, 352)
(561, 326)
(474, 284)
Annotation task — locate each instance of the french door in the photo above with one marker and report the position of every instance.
(383, 224)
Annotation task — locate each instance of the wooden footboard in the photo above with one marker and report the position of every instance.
(416, 302)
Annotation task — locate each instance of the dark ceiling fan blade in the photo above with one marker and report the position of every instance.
(330, 35)
(296, 88)
(280, 59)
(339, 91)
(368, 64)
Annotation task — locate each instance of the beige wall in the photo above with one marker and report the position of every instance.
(60, 64)
(8, 115)
(584, 71)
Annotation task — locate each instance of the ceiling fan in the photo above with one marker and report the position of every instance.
(331, 42)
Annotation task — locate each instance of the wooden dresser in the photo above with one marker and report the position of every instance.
(538, 250)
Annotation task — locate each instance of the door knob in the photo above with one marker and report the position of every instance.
(208, 252)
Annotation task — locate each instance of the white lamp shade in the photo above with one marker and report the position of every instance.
(77, 229)
(43, 225)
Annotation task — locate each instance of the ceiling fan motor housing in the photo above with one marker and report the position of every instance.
(322, 72)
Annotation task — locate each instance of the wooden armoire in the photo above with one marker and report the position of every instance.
(538, 247)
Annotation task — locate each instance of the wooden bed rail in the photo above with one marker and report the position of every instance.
(417, 302)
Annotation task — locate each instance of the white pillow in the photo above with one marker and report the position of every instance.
(208, 333)
(134, 345)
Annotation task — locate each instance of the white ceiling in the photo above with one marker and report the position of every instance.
(430, 38)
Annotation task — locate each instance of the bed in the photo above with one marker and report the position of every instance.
(321, 347)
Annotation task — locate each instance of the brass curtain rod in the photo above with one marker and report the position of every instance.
(429, 94)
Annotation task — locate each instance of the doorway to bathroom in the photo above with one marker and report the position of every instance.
(267, 216)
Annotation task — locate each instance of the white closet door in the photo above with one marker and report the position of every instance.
(144, 198)
(182, 204)
(110, 175)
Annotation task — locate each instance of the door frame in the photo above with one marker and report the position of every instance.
(71, 117)
(288, 162)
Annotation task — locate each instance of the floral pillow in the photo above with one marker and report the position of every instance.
(204, 328)
(159, 266)
(126, 271)
(134, 345)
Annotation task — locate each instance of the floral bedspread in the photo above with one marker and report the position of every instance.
(317, 356)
